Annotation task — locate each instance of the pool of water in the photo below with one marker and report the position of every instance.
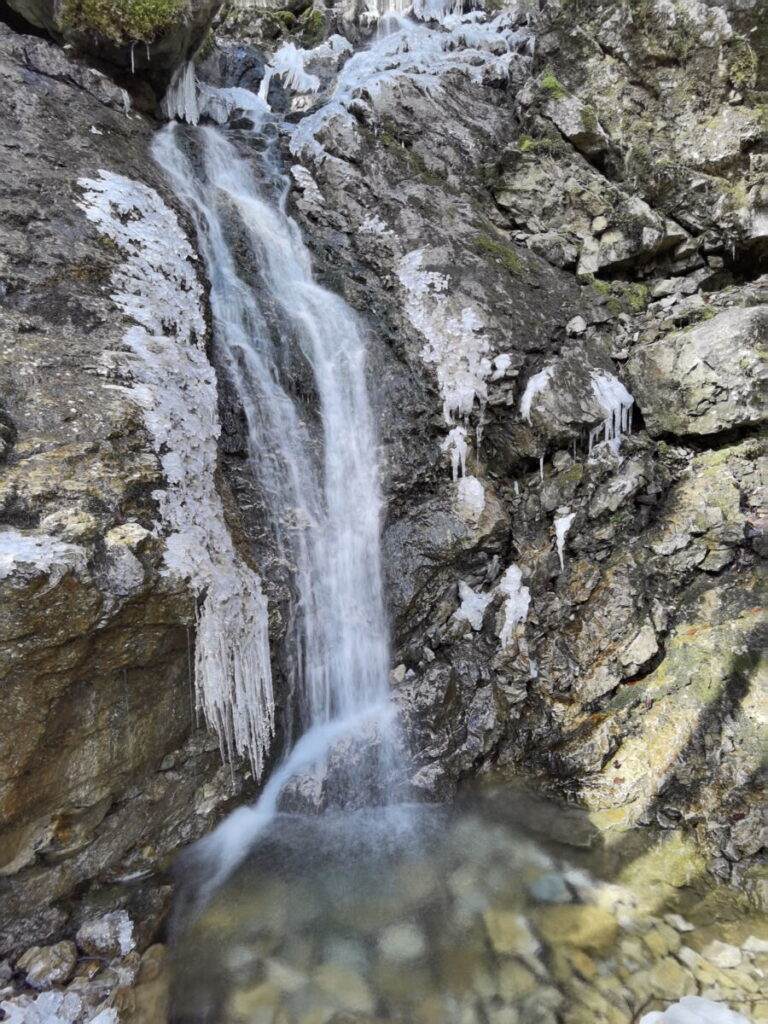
(498, 910)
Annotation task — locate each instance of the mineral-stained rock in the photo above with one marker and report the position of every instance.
(705, 379)
(46, 966)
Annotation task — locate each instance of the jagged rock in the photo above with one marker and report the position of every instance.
(578, 123)
(46, 966)
(708, 378)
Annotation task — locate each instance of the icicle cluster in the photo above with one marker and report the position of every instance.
(616, 403)
(173, 382)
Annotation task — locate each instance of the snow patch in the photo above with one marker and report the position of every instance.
(175, 385)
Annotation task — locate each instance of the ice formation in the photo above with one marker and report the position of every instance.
(455, 445)
(473, 605)
(518, 599)
(562, 526)
(53, 1008)
(173, 382)
(288, 63)
(535, 384)
(616, 404)
(39, 552)
(470, 497)
(180, 100)
(694, 1010)
(455, 346)
(467, 43)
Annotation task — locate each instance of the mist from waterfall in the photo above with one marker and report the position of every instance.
(315, 467)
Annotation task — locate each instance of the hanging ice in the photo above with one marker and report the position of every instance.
(174, 383)
(562, 526)
(616, 404)
(455, 444)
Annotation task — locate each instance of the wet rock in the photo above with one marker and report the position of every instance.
(345, 987)
(46, 966)
(706, 379)
(510, 933)
(402, 942)
(589, 928)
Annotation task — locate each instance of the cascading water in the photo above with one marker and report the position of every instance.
(323, 506)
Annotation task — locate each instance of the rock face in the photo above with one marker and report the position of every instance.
(103, 766)
(708, 378)
(565, 342)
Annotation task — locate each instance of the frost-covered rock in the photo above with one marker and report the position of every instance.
(109, 936)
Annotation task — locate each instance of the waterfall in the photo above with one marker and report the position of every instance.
(315, 468)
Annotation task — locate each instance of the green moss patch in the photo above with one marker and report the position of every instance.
(501, 253)
(122, 21)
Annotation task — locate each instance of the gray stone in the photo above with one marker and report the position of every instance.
(708, 378)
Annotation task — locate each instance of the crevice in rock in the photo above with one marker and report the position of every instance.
(19, 24)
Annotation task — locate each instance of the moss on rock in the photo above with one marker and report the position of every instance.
(122, 21)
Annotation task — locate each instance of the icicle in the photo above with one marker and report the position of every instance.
(455, 444)
(541, 468)
(616, 404)
(562, 526)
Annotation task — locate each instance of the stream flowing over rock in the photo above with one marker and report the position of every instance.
(548, 221)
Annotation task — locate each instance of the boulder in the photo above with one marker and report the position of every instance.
(705, 379)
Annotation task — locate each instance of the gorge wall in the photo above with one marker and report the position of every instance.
(589, 213)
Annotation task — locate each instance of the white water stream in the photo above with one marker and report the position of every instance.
(316, 468)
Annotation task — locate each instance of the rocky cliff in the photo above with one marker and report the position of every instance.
(559, 247)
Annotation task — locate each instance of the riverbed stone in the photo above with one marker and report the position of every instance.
(588, 928)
